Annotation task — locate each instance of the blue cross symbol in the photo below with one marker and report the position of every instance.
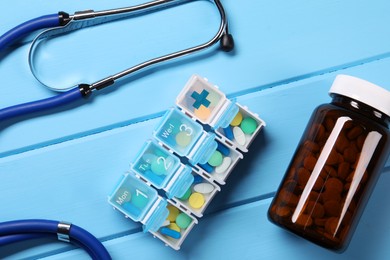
(200, 99)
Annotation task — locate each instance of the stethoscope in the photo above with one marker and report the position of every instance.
(60, 23)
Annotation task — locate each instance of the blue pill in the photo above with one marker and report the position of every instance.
(197, 179)
(223, 149)
(228, 133)
(207, 167)
(170, 232)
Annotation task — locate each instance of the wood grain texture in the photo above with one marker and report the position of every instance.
(63, 165)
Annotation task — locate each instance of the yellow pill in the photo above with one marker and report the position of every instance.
(174, 226)
(202, 112)
(237, 120)
(173, 213)
(196, 200)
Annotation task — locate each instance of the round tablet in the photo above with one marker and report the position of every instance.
(186, 195)
(139, 201)
(158, 167)
(248, 125)
(183, 220)
(215, 159)
(196, 200)
(203, 188)
(183, 139)
(203, 113)
(173, 213)
(237, 120)
(149, 157)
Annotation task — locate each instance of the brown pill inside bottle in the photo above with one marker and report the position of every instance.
(336, 165)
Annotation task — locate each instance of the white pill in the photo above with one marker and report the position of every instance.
(239, 135)
(203, 188)
(224, 166)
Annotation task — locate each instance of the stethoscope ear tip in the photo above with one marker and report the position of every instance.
(227, 42)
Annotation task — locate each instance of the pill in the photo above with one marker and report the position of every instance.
(203, 113)
(207, 167)
(236, 120)
(283, 211)
(228, 132)
(197, 179)
(304, 220)
(169, 232)
(149, 157)
(332, 208)
(214, 98)
(139, 200)
(315, 210)
(239, 135)
(158, 167)
(174, 226)
(173, 213)
(196, 200)
(186, 195)
(248, 125)
(215, 159)
(224, 166)
(183, 139)
(183, 220)
(334, 183)
(355, 132)
(331, 225)
(203, 188)
(223, 149)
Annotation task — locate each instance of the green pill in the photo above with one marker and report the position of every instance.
(158, 166)
(248, 125)
(183, 220)
(139, 199)
(186, 195)
(216, 159)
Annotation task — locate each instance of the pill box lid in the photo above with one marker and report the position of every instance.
(205, 102)
(123, 197)
(180, 183)
(152, 153)
(363, 91)
(175, 121)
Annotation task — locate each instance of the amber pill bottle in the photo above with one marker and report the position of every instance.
(336, 165)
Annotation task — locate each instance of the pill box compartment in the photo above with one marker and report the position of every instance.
(133, 197)
(219, 170)
(199, 194)
(162, 169)
(204, 102)
(242, 130)
(185, 137)
(176, 226)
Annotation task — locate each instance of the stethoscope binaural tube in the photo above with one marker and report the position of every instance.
(88, 18)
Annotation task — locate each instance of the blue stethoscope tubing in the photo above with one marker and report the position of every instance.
(14, 231)
(84, 90)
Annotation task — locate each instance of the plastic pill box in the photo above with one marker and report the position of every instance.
(177, 173)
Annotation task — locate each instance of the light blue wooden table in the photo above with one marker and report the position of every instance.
(63, 165)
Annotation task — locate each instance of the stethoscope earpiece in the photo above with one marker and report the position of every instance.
(227, 42)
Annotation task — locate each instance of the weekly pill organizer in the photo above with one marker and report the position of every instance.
(191, 153)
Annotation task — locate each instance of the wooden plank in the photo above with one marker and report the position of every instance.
(249, 235)
(278, 42)
(77, 175)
